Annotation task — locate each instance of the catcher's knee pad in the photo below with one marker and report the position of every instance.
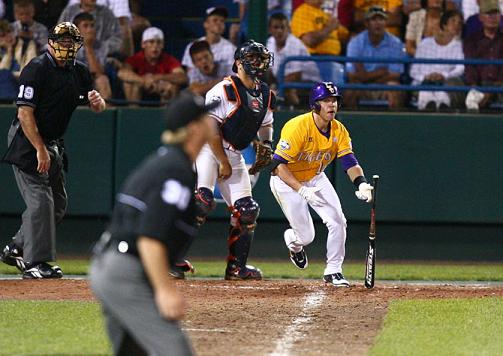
(247, 211)
(205, 204)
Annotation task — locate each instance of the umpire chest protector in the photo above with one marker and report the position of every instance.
(241, 126)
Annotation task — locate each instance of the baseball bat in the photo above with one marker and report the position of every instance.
(370, 262)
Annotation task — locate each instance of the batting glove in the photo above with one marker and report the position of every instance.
(309, 193)
(364, 192)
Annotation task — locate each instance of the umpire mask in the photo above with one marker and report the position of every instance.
(65, 40)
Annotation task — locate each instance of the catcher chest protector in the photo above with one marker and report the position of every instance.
(240, 128)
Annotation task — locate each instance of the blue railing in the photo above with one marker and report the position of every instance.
(282, 85)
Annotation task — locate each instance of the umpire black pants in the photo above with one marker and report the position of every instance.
(46, 201)
(133, 322)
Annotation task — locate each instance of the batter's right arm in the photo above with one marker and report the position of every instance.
(29, 125)
(225, 168)
(286, 176)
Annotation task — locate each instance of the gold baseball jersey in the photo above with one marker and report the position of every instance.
(307, 150)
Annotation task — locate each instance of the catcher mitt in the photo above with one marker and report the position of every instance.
(263, 156)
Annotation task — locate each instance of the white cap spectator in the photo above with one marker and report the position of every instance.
(152, 33)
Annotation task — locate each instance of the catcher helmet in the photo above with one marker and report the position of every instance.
(255, 58)
(321, 91)
(65, 40)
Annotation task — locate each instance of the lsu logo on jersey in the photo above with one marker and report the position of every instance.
(284, 145)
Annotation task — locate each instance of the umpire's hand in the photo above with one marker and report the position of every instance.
(170, 303)
(43, 160)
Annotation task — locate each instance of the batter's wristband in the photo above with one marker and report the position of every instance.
(359, 180)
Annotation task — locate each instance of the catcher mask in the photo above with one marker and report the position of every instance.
(255, 58)
(65, 40)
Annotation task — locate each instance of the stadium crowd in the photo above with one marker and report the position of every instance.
(130, 65)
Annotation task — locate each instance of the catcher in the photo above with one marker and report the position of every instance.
(244, 112)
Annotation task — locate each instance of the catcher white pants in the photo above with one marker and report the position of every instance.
(296, 210)
(236, 187)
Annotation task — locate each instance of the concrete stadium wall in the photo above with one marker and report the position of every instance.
(434, 168)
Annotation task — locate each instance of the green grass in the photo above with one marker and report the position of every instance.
(352, 270)
(55, 328)
(442, 327)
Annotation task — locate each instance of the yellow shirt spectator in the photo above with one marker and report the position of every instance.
(308, 18)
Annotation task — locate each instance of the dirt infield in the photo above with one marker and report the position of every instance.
(270, 317)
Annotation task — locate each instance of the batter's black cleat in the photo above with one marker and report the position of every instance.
(42, 270)
(13, 256)
(336, 279)
(299, 259)
(179, 269)
(234, 273)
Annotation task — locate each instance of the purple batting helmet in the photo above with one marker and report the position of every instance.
(321, 91)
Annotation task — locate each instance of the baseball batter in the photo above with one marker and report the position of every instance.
(309, 142)
(244, 112)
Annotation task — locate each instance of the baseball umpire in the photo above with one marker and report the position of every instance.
(308, 144)
(51, 86)
(244, 112)
(154, 217)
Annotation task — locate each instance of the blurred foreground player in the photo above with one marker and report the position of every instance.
(152, 223)
(51, 86)
(309, 142)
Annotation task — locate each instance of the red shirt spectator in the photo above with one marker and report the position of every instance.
(165, 65)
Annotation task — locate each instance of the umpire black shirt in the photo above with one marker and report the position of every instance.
(157, 201)
(54, 92)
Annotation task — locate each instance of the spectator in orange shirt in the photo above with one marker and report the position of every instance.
(320, 32)
(152, 74)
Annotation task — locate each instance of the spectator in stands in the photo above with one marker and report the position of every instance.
(283, 44)
(207, 72)
(15, 53)
(152, 74)
(485, 44)
(444, 45)
(138, 23)
(238, 32)
(375, 42)
(473, 23)
(392, 7)
(93, 54)
(214, 27)
(47, 12)
(121, 10)
(471, 7)
(108, 32)
(320, 32)
(26, 27)
(423, 23)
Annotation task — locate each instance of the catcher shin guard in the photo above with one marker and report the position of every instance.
(205, 204)
(245, 214)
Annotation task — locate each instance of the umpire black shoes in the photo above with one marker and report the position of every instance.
(336, 279)
(299, 259)
(42, 270)
(13, 256)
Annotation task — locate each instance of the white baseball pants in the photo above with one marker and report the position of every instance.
(236, 187)
(296, 210)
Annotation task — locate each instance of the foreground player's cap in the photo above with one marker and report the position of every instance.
(184, 109)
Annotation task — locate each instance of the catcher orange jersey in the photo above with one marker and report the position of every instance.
(307, 150)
